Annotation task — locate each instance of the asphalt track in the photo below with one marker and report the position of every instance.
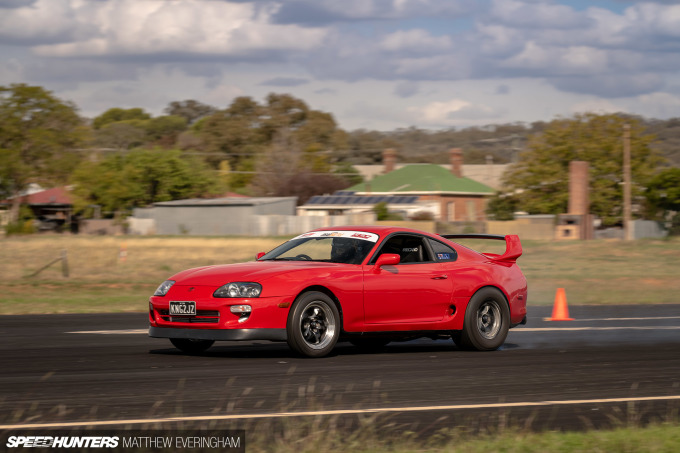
(611, 366)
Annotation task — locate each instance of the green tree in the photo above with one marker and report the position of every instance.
(233, 133)
(348, 173)
(383, 213)
(224, 174)
(140, 178)
(663, 198)
(114, 115)
(250, 135)
(502, 207)
(133, 132)
(282, 112)
(119, 135)
(540, 179)
(285, 170)
(38, 133)
(165, 128)
(190, 110)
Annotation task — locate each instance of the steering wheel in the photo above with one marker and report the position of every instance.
(302, 256)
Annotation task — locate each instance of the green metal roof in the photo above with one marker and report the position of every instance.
(421, 178)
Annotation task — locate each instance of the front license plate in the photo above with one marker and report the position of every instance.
(182, 308)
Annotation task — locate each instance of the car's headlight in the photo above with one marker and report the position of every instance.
(239, 289)
(164, 288)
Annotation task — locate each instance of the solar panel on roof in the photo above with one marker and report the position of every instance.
(348, 198)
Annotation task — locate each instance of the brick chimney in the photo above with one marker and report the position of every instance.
(579, 203)
(456, 159)
(389, 159)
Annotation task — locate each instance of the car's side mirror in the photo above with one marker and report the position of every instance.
(386, 259)
(260, 255)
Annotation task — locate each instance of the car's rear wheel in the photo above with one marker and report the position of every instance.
(313, 325)
(191, 346)
(487, 320)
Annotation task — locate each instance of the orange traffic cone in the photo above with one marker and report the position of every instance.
(560, 310)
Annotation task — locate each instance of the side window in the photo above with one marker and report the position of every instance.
(411, 249)
(442, 252)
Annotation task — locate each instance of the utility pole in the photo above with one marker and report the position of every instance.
(627, 227)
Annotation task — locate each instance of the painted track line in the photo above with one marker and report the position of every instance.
(652, 318)
(91, 423)
(113, 332)
(574, 329)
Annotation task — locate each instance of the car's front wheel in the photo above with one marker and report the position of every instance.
(487, 320)
(313, 325)
(191, 346)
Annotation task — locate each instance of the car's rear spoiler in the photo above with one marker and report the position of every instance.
(513, 246)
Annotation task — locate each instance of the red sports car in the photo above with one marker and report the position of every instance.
(368, 285)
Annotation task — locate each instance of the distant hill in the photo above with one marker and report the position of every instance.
(498, 142)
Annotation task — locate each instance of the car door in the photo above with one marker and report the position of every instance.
(417, 290)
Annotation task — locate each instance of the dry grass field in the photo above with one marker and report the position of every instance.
(99, 279)
(594, 272)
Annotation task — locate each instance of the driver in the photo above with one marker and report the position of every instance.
(345, 250)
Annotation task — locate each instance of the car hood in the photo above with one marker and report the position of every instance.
(256, 271)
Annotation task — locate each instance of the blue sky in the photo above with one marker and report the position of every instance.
(374, 64)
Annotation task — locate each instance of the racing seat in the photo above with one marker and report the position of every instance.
(412, 251)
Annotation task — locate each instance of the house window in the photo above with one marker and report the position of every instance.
(471, 210)
(451, 211)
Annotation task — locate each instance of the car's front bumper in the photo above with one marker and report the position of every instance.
(219, 334)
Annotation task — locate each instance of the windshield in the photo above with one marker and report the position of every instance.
(348, 247)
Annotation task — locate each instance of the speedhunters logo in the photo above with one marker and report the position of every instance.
(126, 441)
(62, 442)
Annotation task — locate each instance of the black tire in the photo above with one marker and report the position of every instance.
(369, 344)
(191, 346)
(313, 325)
(457, 336)
(487, 320)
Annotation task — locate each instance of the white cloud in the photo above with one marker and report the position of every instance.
(577, 60)
(43, 22)
(406, 89)
(284, 82)
(596, 106)
(655, 19)
(548, 55)
(334, 11)
(660, 105)
(415, 41)
(451, 112)
(131, 27)
(12, 69)
(524, 14)
(223, 94)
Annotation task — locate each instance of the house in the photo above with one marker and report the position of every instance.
(446, 194)
(53, 208)
(210, 216)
